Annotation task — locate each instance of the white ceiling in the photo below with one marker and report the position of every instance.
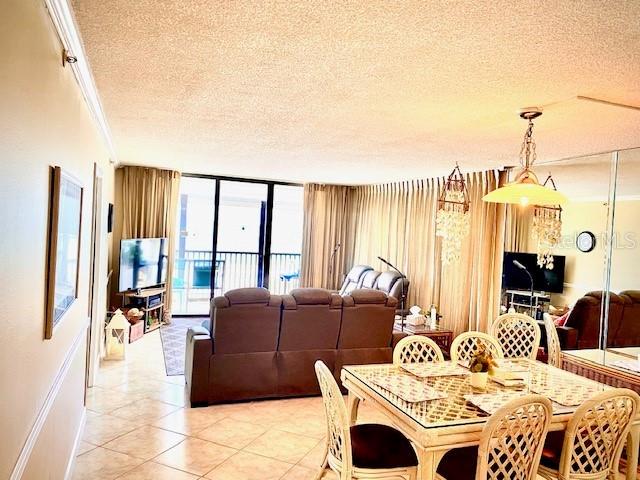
(359, 92)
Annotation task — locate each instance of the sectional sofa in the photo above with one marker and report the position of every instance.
(260, 345)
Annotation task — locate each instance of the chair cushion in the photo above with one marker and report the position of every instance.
(552, 450)
(459, 464)
(381, 446)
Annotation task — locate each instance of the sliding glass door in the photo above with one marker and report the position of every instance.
(252, 229)
(242, 218)
(192, 261)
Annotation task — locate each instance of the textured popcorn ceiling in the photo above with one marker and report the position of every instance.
(358, 92)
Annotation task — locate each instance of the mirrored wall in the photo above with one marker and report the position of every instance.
(586, 277)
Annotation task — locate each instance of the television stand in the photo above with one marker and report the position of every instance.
(150, 301)
(520, 300)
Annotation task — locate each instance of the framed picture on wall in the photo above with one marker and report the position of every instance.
(65, 223)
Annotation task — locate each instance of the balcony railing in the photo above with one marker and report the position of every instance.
(192, 276)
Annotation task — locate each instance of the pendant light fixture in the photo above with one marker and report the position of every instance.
(526, 189)
(452, 218)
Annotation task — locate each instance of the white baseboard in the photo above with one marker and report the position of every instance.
(43, 414)
(76, 443)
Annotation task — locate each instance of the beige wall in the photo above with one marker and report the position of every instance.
(585, 271)
(43, 122)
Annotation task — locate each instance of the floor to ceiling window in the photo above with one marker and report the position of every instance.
(252, 229)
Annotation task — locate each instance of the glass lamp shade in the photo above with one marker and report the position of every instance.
(525, 190)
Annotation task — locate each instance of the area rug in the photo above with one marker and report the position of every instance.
(174, 336)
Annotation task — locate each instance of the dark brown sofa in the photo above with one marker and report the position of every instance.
(582, 329)
(264, 346)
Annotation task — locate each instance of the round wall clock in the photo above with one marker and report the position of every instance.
(586, 241)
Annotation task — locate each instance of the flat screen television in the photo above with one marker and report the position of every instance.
(544, 280)
(143, 263)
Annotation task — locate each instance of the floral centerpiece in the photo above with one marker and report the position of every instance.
(480, 365)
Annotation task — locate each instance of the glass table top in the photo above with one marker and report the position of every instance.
(560, 386)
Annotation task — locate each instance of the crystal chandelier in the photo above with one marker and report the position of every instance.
(452, 218)
(526, 188)
(547, 229)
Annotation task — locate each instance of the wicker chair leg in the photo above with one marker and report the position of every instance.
(325, 463)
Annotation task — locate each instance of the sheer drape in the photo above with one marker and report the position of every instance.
(397, 221)
(149, 199)
(325, 226)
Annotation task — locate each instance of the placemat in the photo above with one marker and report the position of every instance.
(434, 369)
(491, 402)
(407, 388)
(632, 365)
(567, 393)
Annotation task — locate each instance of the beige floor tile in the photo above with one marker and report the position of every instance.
(143, 386)
(173, 394)
(246, 466)
(308, 425)
(284, 446)
(189, 421)
(84, 447)
(145, 410)
(315, 457)
(195, 456)
(145, 442)
(232, 433)
(104, 400)
(100, 429)
(154, 471)
(103, 464)
(299, 473)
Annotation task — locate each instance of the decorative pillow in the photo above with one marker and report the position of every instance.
(562, 319)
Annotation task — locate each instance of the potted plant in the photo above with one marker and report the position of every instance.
(480, 364)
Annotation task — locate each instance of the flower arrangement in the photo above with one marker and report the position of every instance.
(482, 360)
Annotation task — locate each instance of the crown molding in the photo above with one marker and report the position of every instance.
(64, 22)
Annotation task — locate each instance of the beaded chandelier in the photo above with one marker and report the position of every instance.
(452, 218)
(547, 229)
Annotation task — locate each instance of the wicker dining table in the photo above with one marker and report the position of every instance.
(439, 425)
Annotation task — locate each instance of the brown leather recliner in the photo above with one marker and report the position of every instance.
(366, 335)
(309, 332)
(584, 321)
(628, 334)
(391, 283)
(243, 346)
(354, 279)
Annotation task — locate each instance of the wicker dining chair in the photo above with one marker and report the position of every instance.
(553, 343)
(464, 346)
(417, 349)
(518, 334)
(510, 444)
(593, 439)
(367, 451)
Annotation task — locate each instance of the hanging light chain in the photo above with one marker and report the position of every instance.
(528, 149)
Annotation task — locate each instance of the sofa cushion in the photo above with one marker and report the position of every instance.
(386, 281)
(369, 296)
(241, 296)
(315, 296)
(381, 446)
(369, 279)
(562, 319)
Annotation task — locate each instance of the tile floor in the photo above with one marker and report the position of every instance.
(139, 427)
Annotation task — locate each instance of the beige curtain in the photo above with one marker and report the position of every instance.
(378, 226)
(518, 227)
(149, 198)
(470, 290)
(397, 221)
(324, 227)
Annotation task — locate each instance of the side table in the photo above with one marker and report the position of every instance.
(441, 336)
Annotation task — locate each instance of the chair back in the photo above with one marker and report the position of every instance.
(417, 349)
(353, 279)
(246, 320)
(518, 334)
(464, 346)
(512, 440)
(553, 343)
(596, 434)
(338, 432)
